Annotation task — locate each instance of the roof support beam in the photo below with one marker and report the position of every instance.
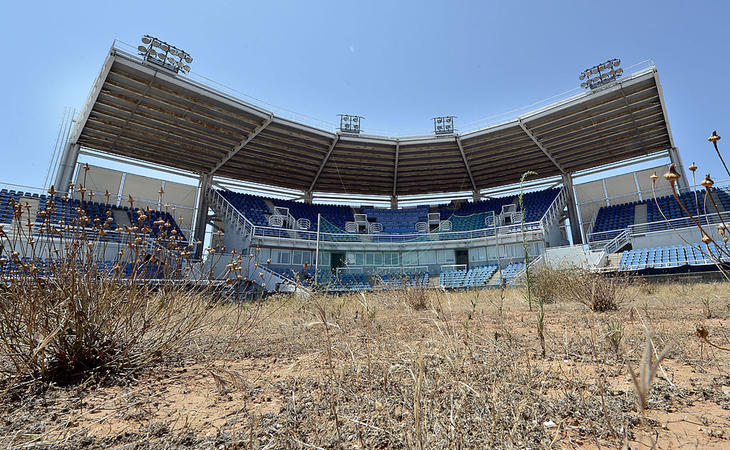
(234, 151)
(324, 162)
(541, 147)
(466, 163)
(395, 169)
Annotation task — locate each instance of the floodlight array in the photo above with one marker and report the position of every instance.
(443, 125)
(601, 74)
(350, 123)
(161, 53)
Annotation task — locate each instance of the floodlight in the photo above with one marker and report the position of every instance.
(443, 125)
(165, 54)
(350, 123)
(602, 73)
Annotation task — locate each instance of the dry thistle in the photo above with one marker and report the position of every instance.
(707, 182)
(672, 175)
(693, 167)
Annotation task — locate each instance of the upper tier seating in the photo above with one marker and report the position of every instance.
(397, 220)
(66, 210)
(6, 210)
(337, 215)
(152, 217)
(611, 219)
(537, 203)
(252, 207)
(465, 215)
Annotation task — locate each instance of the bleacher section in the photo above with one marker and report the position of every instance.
(611, 219)
(668, 257)
(253, 207)
(6, 209)
(537, 202)
(397, 220)
(397, 280)
(464, 215)
(472, 278)
(510, 272)
(66, 211)
(337, 215)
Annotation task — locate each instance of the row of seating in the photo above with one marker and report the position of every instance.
(670, 256)
(67, 211)
(47, 268)
(464, 215)
(620, 216)
(472, 278)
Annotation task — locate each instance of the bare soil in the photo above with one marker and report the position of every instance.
(369, 371)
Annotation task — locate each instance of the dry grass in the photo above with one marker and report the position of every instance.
(371, 371)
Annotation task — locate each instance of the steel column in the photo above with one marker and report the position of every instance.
(575, 226)
(66, 169)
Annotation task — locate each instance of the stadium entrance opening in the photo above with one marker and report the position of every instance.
(337, 260)
(462, 257)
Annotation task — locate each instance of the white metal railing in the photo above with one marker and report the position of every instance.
(623, 238)
(452, 267)
(662, 225)
(230, 212)
(555, 209)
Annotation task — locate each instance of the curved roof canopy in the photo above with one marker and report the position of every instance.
(138, 110)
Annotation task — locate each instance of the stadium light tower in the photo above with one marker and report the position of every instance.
(443, 125)
(350, 124)
(163, 54)
(601, 74)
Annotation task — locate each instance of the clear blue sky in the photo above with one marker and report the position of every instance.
(397, 63)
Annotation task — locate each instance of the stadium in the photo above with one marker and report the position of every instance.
(352, 233)
(346, 210)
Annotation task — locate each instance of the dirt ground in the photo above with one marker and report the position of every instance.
(399, 370)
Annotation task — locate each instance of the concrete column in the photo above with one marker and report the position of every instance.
(308, 197)
(476, 196)
(393, 202)
(66, 167)
(572, 209)
(676, 159)
(201, 213)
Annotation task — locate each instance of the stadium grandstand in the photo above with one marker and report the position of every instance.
(356, 211)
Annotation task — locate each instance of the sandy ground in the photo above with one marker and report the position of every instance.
(372, 371)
